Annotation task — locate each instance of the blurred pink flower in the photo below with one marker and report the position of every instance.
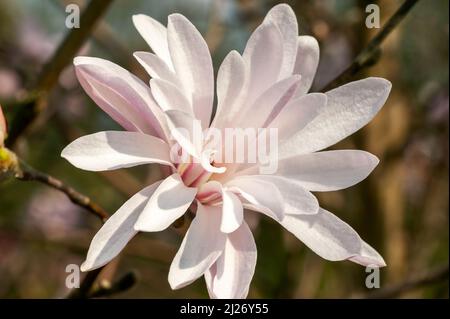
(266, 87)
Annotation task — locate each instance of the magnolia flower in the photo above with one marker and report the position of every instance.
(265, 87)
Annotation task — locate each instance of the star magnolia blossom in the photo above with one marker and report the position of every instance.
(266, 86)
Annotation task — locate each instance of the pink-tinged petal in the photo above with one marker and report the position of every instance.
(201, 246)
(3, 131)
(294, 198)
(349, 108)
(297, 114)
(116, 149)
(261, 196)
(168, 203)
(331, 238)
(209, 191)
(155, 34)
(186, 130)
(269, 104)
(231, 275)
(193, 65)
(326, 171)
(156, 67)
(117, 231)
(263, 56)
(169, 97)
(122, 95)
(232, 212)
(230, 88)
(284, 18)
(306, 62)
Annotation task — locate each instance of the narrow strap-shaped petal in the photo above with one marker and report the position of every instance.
(230, 87)
(168, 203)
(293, 197)
(186, 130)
(232, 273)
(306, 62)
(261, 195)
(349, 107)
(325, 171)
(284, 18)
(263, 56)
(193, 65)
(156, 67)
(116, 149)
(268, 104)
(297, 114)
(169, 97)
(122, 95)
(201, 246)
(155, 34)
(117, 231)
(331, 238)
(232, 212)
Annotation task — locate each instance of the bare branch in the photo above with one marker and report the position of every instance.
(371, 53)
(26, 173)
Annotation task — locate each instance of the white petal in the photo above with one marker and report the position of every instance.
(169, 202)
(116, 149)
(231, 275)
(122, 95)
(186, 130)
(169, 97)
(306, 62)
(269, 104)
(230, 85)
(284, 18)
(156, 67)
(193, 65)
(349, 108)
(261, 195)
(117, 231)
(155, 34)
(294, 198)
(331, 238)
(263, 56)
(232, 213)
(201, 246)
(328, 171)
(297, 114)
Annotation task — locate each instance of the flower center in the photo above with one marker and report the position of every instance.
(193, 174)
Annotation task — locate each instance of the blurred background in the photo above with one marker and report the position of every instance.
(401, 209)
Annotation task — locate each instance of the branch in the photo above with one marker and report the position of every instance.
(86, 285)
(436, 275)
(32, 107)
(26, 173)
(372, 52)
(106, 289)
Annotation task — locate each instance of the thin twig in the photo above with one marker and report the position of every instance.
(433, 276)
(26, 173)
(29, 111)
(371, 53)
